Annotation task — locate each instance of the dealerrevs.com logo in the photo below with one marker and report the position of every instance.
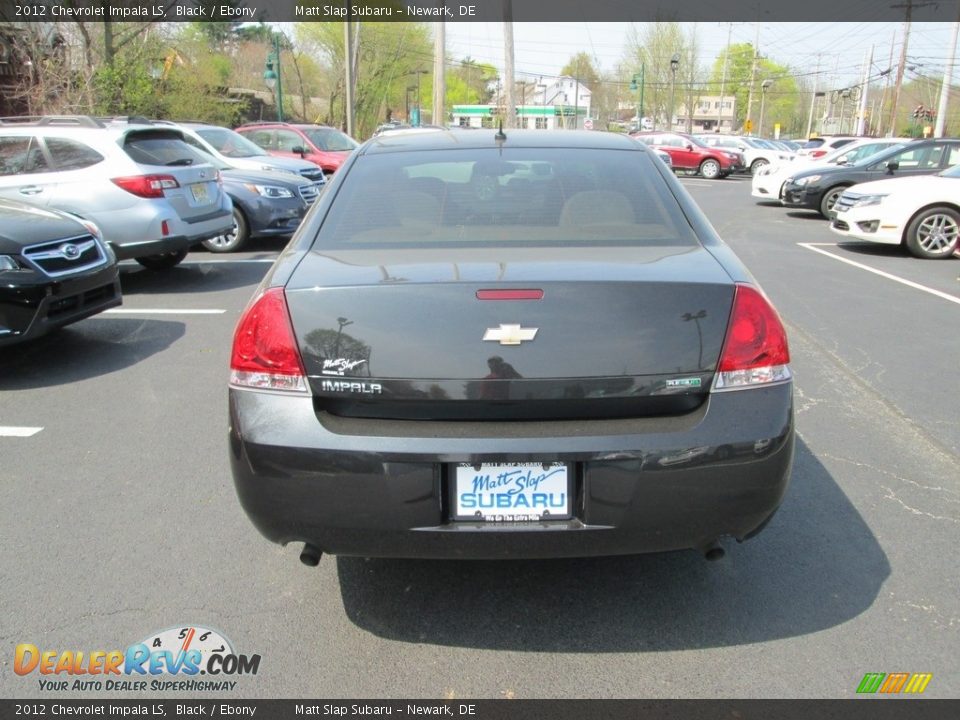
(173, 659)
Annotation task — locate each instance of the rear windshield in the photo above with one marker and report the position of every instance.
(329, 139)
(520, 197)
(229, 143)
(161, 149)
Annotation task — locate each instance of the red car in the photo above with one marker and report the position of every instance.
(325, 146)
(688, 153)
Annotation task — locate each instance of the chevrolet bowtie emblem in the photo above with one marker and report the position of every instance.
(510, 334)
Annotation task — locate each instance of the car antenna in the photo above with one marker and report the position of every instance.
(500, 137)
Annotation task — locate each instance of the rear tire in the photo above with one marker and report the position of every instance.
(933, 234)
(232, 240)
(710, 169)
(163, 261)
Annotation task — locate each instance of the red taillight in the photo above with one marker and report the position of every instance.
(509, 294)
(755, 351)
(147, 186)
(817, 153)
(265, 354)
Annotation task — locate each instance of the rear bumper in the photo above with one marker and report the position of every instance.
(173, 243)
(379, 488)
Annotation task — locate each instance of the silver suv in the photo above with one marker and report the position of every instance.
(151, 194)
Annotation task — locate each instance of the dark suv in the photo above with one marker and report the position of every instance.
(688, 153)
(54, 270)
(325, 146)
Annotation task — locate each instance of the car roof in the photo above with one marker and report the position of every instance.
(449, 140)
(281, 125)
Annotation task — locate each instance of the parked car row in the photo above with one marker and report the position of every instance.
(79, 193)
(690, 154)
(756, 152)
(893, 191)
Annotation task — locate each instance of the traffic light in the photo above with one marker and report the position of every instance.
(918, 111)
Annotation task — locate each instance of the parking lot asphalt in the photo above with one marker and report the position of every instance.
(118, 516)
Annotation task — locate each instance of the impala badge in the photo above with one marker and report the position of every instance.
(510, 334)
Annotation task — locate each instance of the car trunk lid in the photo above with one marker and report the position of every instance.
(411, 333)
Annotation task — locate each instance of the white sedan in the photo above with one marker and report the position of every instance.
(922, 213)
(767, 182)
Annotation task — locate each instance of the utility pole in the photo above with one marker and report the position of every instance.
(723, 80)
(510, 105)
(909, 6)
(886, 84)
(813, 100)
(862, 120)
(439, 68)
(947, 80)
(753, 79)
(348, 70)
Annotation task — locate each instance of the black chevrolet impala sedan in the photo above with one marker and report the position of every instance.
(511, 344)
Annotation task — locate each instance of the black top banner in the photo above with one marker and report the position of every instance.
(475, 10)
(491, 709)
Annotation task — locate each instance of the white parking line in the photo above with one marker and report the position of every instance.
(881, 273)
(10, 431)
(163, 311)
(212, 261)
(227, 261)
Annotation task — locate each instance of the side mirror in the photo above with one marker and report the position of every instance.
(841, 161)
(893, 166)
(299, 149)
(689, 146)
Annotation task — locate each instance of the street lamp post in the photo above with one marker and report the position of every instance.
(763, 99)
(417, 120)
(410, 89)
(271, 74)
(674, 64)
(634, 85)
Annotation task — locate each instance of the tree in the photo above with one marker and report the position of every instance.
(783, 99)
(652, 47)
(581, 67)
(475, 82)
(389, 54)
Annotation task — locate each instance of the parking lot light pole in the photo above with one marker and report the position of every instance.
(271, 75)
(639, 85)
(763, 97)
(674, 64)
(418, 119)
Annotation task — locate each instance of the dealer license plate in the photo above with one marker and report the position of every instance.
(512, 492)
(201, 193)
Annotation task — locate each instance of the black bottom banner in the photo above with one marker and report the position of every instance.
(853, 709)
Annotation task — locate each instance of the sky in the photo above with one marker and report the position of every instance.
(543, 48)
